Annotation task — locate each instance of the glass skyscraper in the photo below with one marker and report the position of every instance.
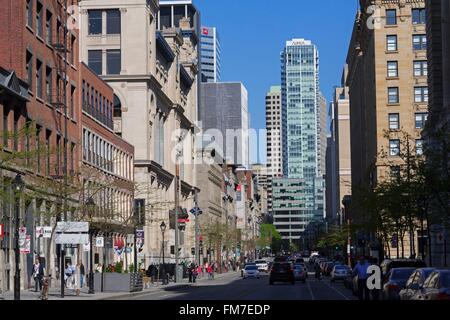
(210, 55)
(299, 195)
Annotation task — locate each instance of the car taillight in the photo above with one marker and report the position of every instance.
(393, 286)
(443, 295)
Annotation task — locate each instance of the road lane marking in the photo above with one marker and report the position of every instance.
(330, 286)
(310, 291)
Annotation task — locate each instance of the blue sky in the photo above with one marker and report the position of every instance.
(253, 33)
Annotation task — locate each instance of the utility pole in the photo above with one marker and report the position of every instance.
(177, 204)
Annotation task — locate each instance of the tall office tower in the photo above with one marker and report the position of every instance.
(299, 195)
(225, 120)
(274, 151)
(387, 80)
(210, 55)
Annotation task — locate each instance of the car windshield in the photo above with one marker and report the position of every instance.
(402, 274)
(298, 267)
(251, 267)
(445, 280)
(260, 261)
(342, 267)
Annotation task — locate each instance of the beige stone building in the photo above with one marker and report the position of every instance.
(154, 76)
(387, 80)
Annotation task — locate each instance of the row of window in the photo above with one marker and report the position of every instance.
(394, 147)
(46, 33)
(42, 82)
(418, 16)
(419, 42)
(420, 95)
(95, 20)
(97, 105)
(113, 61)
(420, 119)
(38, 152)
(420, 68)
(102, 154)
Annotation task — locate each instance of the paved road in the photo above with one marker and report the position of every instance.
(233, 287)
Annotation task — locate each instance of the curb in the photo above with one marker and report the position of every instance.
(143, 293)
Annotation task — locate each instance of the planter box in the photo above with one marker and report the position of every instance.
(118, 282)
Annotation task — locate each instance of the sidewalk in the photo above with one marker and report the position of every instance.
(84, 295)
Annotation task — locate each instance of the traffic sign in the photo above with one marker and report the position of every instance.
(99, 242)
(183, 220)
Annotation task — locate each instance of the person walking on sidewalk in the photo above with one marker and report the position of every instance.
(37, 275)
(360, 271)
(199, 271)
(82, 274)
(209, 270)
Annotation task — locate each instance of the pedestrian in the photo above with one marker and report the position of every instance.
(37, 274)
(190, 274)
(199, 271)
(77, 278)
(194, 272)
(82, 274)
(317, 270)
(68, 272)
(209, 270)
(375, 292)
(360, 271)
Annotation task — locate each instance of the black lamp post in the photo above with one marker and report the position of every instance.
(90, 204)
(18, 186)
(163, 229)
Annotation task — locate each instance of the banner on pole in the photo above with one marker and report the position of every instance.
(25, 244)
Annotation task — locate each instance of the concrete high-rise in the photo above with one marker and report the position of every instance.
(210, 54)
(225, 119)
(298, 197)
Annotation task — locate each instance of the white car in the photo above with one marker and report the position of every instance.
(262, 265)
(251, 271)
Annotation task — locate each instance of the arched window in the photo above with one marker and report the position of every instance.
(117, 107)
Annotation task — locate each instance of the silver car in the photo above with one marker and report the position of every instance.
(340, 272)
(251, 271)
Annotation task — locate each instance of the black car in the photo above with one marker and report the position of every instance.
(389, 264)
(282, 272)
(395, 281)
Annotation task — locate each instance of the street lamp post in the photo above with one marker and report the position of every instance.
(18, 185)
(163, 230)
(90, 206)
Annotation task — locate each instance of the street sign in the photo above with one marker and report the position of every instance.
(183, 220)
(87, 247)
(71, 238)
(2, 232)
(99, 242)
(44, 232)
(71, 226)
(25, 244)
(348, 249)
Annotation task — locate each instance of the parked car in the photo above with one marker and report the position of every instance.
(282, 272)
(340, 272)
(247, 264)
(415, 281)
(394, 281)
(389, 264)
(435, 287)
(262, 265)
(300, 273)
(329, 267)
(251, 271)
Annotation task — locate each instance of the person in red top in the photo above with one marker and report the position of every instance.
(209, 270)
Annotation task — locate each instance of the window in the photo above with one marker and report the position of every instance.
(394, 121)
(48, 84)
(30, 13)
(72, 157)
(419, 42)
(113, 22)
(392, 69)
(16, 132)
(420, 119)
(58, 154)
(48, 28)
(72, 49)
(395, 173)
(48, 134)
(419, 147)
(38, 148)
(39, 79)
(420, 68)
(95, 21)
(418, 16)
(391, 17)
(5, 126)
(393, 95)
(113, 63)
(29, 68)
(394, 147)
(39, 19)
(391, 43)
(95, 61)
(27, 141)
(72, 102)
(421, 94)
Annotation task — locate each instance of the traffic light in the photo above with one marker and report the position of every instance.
(183, 213)
(193, 251)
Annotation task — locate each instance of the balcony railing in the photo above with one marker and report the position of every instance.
(101, 117)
